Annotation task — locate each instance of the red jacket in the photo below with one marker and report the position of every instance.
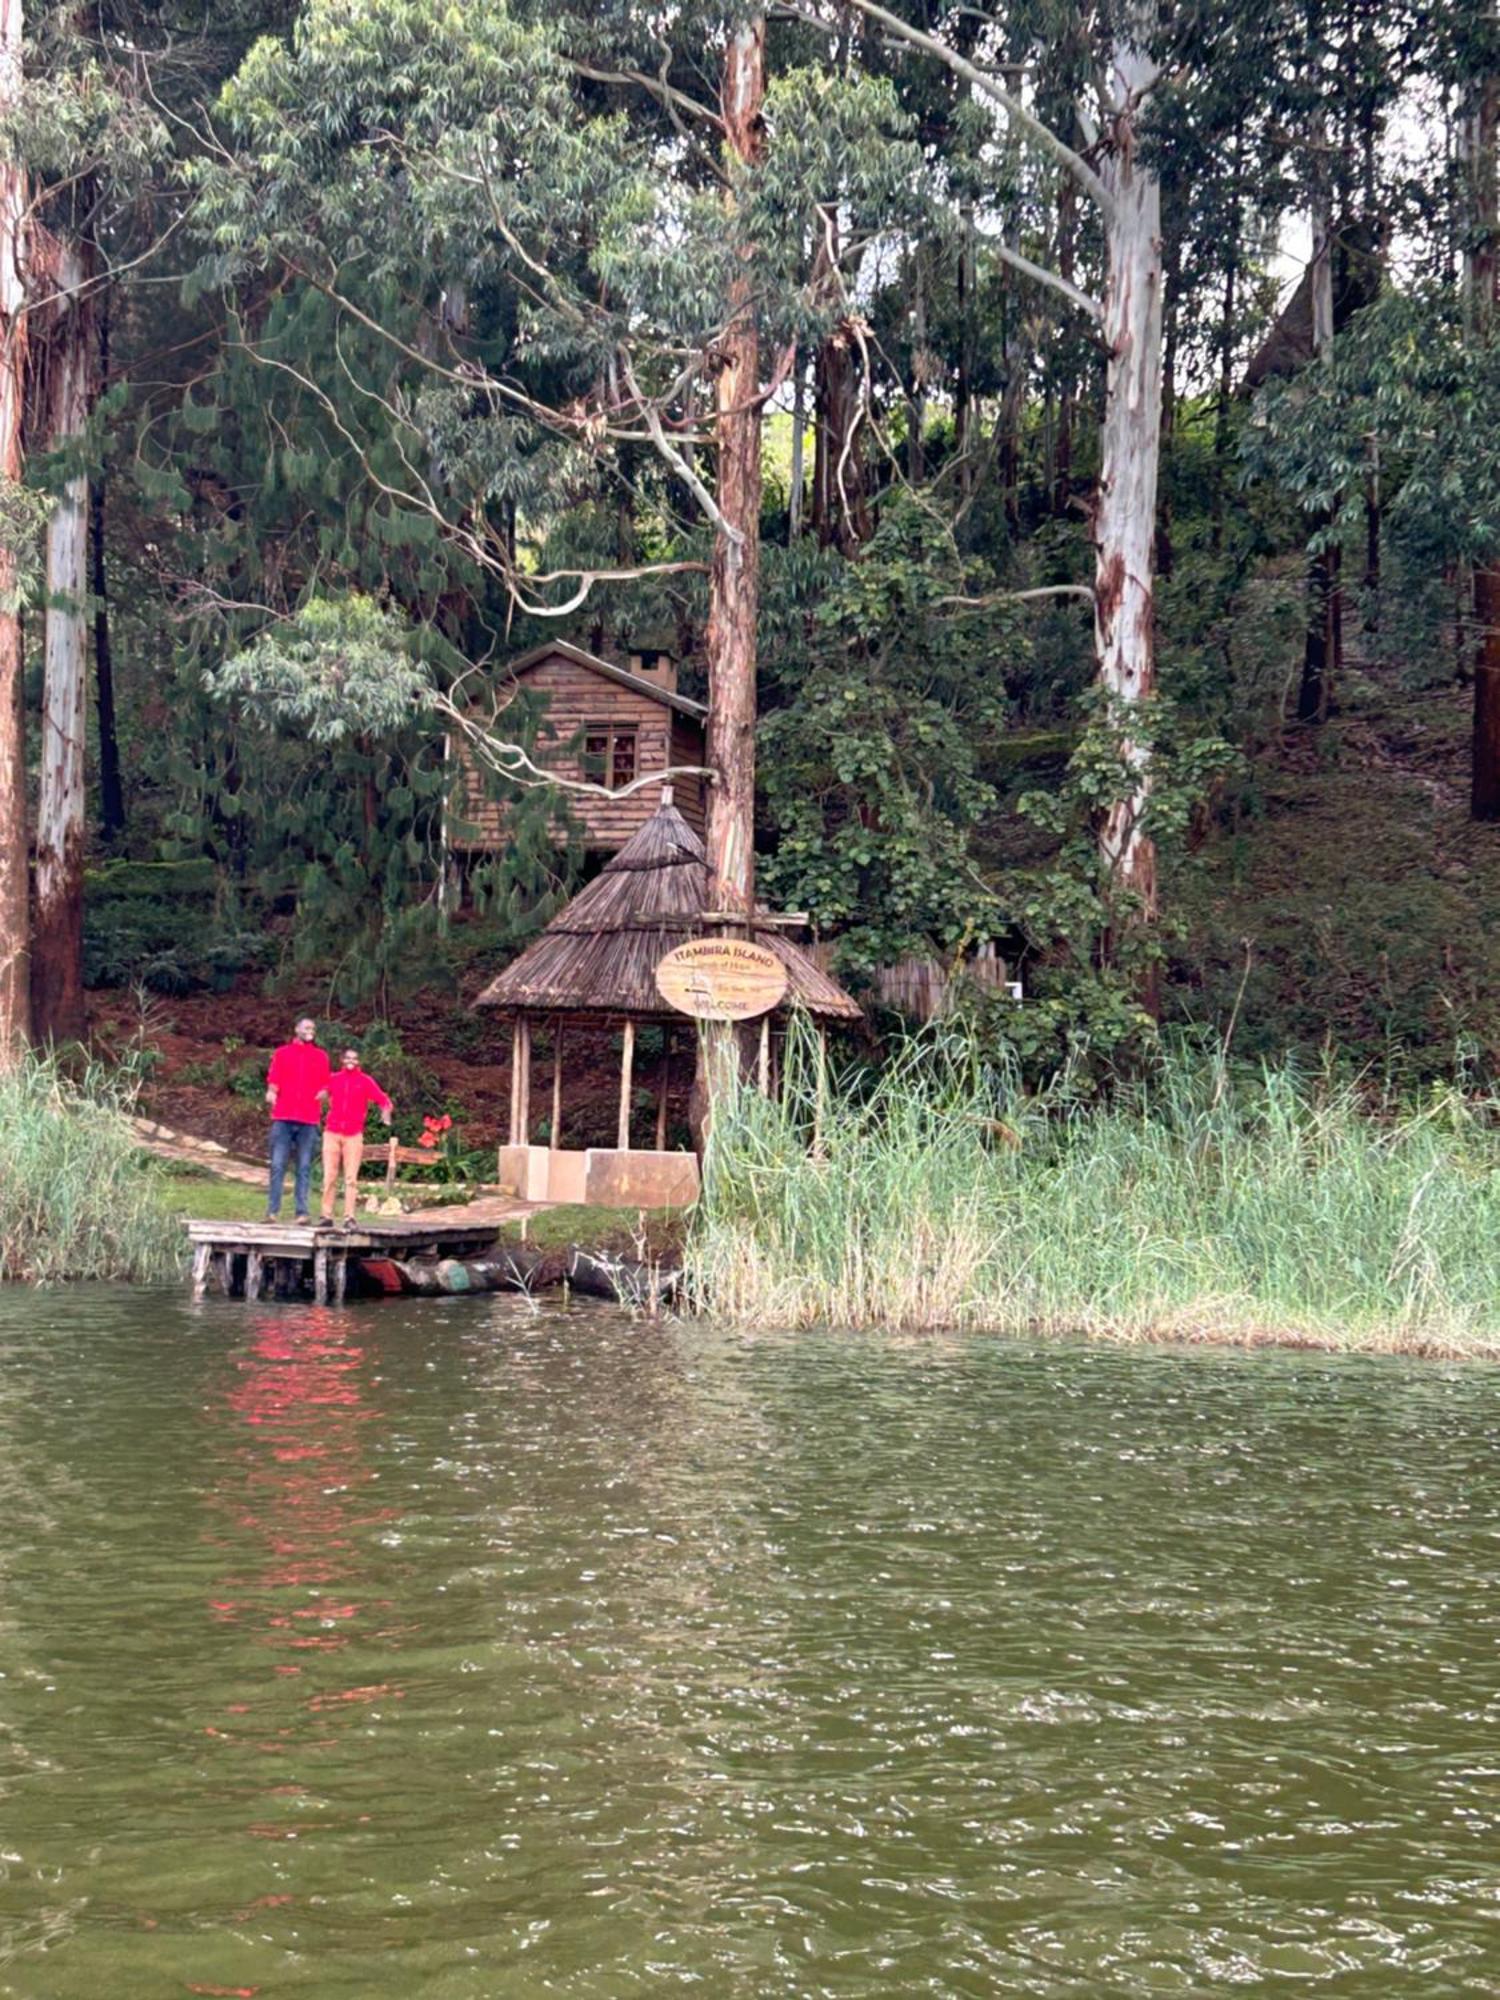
(299, 1070)
(350, 1095)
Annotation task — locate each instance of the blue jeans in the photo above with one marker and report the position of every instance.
(286, 1134)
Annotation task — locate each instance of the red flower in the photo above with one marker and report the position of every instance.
(445, 1123)
(428, 1139)
(432, 1124)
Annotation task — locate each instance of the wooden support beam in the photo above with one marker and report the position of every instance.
(254, 1265)
(627, 1067)
(320, 1277)
(524, 1098)
(764, 1066)
(340, 1275)
(554, 1139)
(202, 1254)
(662, 1087)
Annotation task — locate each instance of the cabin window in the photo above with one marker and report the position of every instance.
(609, 755)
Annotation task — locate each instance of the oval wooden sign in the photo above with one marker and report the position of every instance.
(721, 979)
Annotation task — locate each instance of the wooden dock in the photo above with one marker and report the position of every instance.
(251, 1260)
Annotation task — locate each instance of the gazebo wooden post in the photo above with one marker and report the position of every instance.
(524, 1096)
(515, 1080)
(764, 1067)
(557, 1054)
(820, 1095)
(627, 1066)
(663, 1082)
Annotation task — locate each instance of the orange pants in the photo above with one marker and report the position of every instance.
(346, 1150)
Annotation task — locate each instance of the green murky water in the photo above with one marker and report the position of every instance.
(455, 1650)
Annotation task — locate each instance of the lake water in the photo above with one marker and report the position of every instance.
(451, 1648)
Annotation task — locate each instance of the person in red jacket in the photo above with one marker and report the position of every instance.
(295, 1087)
(351, 1092)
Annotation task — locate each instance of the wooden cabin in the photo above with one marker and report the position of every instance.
(602, 721)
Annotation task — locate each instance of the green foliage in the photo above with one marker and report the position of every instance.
(887, 700)
(333, 670)
(166, 926)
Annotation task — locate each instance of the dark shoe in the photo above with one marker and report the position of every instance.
(272, 1215)
(348, 1225)
(302, 1221)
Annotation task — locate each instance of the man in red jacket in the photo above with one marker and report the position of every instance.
(351, 1092)
(296, 1087)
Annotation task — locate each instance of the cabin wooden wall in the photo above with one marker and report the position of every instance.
(578, 699)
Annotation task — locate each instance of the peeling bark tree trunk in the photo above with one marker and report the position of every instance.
(15, 968)
(734, 572)
(1482, 271)
(57, 942)
(1323, 651)
(734, 575)
(916, 402)
(799, 449)
(1125, 519)
(1062, 463)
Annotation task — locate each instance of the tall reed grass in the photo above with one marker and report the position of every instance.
(1267, 1206)
(76, 1198)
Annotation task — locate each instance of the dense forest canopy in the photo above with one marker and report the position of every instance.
(1017, 424)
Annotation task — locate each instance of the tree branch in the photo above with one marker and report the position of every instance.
(1071, 162)
(1084, 301)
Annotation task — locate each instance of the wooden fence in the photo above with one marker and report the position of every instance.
(922, 987)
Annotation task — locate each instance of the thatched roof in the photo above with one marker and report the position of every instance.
(600, 954)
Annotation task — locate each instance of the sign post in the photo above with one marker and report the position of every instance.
(722, 979)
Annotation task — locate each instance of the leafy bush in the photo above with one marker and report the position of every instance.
(160, 924)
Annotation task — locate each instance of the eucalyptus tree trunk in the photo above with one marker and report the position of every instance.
(734, 570)
(57, 941)
(1323, 648)
(15, 970)
(1481, 269)
(1125, 517)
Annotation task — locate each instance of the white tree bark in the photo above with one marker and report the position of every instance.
(15, 963)
(1125, 523)
(57, 943)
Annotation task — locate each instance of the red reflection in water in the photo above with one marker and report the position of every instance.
(290, 1439)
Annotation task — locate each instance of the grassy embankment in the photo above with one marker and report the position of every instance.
(1265, 1207)
(75, 1201)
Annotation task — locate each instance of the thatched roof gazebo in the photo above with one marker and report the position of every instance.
(597, 961)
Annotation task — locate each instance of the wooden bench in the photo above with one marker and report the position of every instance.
(398, 1156)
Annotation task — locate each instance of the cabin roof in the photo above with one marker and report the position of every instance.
(652, 690)
(599, 954)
